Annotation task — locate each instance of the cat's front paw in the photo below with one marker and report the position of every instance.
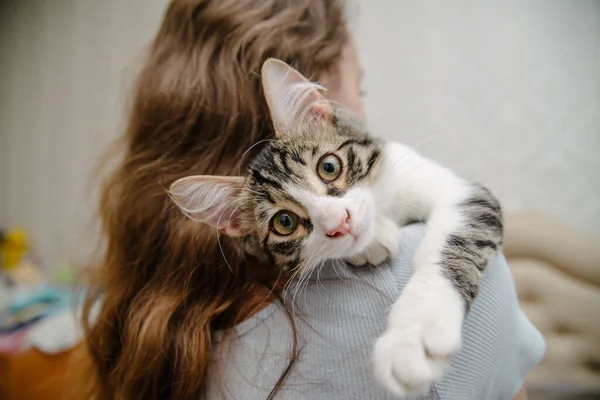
(373, 255)
(385, 245)
(424, 331)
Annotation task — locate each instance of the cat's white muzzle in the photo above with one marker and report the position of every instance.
(355, 212)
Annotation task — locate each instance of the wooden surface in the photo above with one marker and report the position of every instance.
(33, 375)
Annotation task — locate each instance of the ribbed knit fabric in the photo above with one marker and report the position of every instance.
(339, 317)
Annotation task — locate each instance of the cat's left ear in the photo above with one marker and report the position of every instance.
(292, 99)
(213, 200)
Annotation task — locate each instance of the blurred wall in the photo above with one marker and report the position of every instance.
(65, 69)
(507, 93)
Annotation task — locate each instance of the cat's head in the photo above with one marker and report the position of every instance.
(307, 196)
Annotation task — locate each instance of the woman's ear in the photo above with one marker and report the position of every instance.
(213, 200)
(292, 99)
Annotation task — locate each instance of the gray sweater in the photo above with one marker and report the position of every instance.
(340, 313)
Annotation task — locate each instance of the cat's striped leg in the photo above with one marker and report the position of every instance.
(463, 234)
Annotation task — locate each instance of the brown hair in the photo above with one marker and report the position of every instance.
(198, 106)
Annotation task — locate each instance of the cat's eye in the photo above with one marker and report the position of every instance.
(329, 168)
(284, 223)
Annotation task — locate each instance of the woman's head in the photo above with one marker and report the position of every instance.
(198, 108)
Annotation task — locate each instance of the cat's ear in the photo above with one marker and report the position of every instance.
(213, 200)
(291, 97)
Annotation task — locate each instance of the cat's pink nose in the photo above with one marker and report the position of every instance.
(342, 229)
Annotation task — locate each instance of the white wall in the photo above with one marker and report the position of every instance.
(507, 93)
(65, 66)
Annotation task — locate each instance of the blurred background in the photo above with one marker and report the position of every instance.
(506, 93)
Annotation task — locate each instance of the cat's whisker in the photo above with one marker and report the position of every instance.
(241, 199)
(303, 276)
(291, 280)
(334, 264)
(250, 149)
(296, 271)
(258, 195)
(296, 283)
(235, 209)
(319, 283)
(412, 149)
(306, 279)
(305, 270)
(259, 306)
(296, 290)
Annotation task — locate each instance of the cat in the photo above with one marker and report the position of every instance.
(324, 189)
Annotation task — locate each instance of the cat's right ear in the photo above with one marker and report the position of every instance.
(292, 99)
(213, 200)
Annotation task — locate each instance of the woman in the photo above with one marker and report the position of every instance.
(170, 301)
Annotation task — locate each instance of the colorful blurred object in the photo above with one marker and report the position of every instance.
(16, 260)
(66, 275)
(14, 245)
(36, 310)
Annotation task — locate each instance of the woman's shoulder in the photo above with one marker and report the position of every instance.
(500, 344)
(338, 315)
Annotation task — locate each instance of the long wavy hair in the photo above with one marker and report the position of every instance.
(160, 282)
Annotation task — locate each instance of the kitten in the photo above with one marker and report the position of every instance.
(323, 189)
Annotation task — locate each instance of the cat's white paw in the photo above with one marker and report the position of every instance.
(388, 235)
(386, 243)
(424, 331)
(375, 254)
